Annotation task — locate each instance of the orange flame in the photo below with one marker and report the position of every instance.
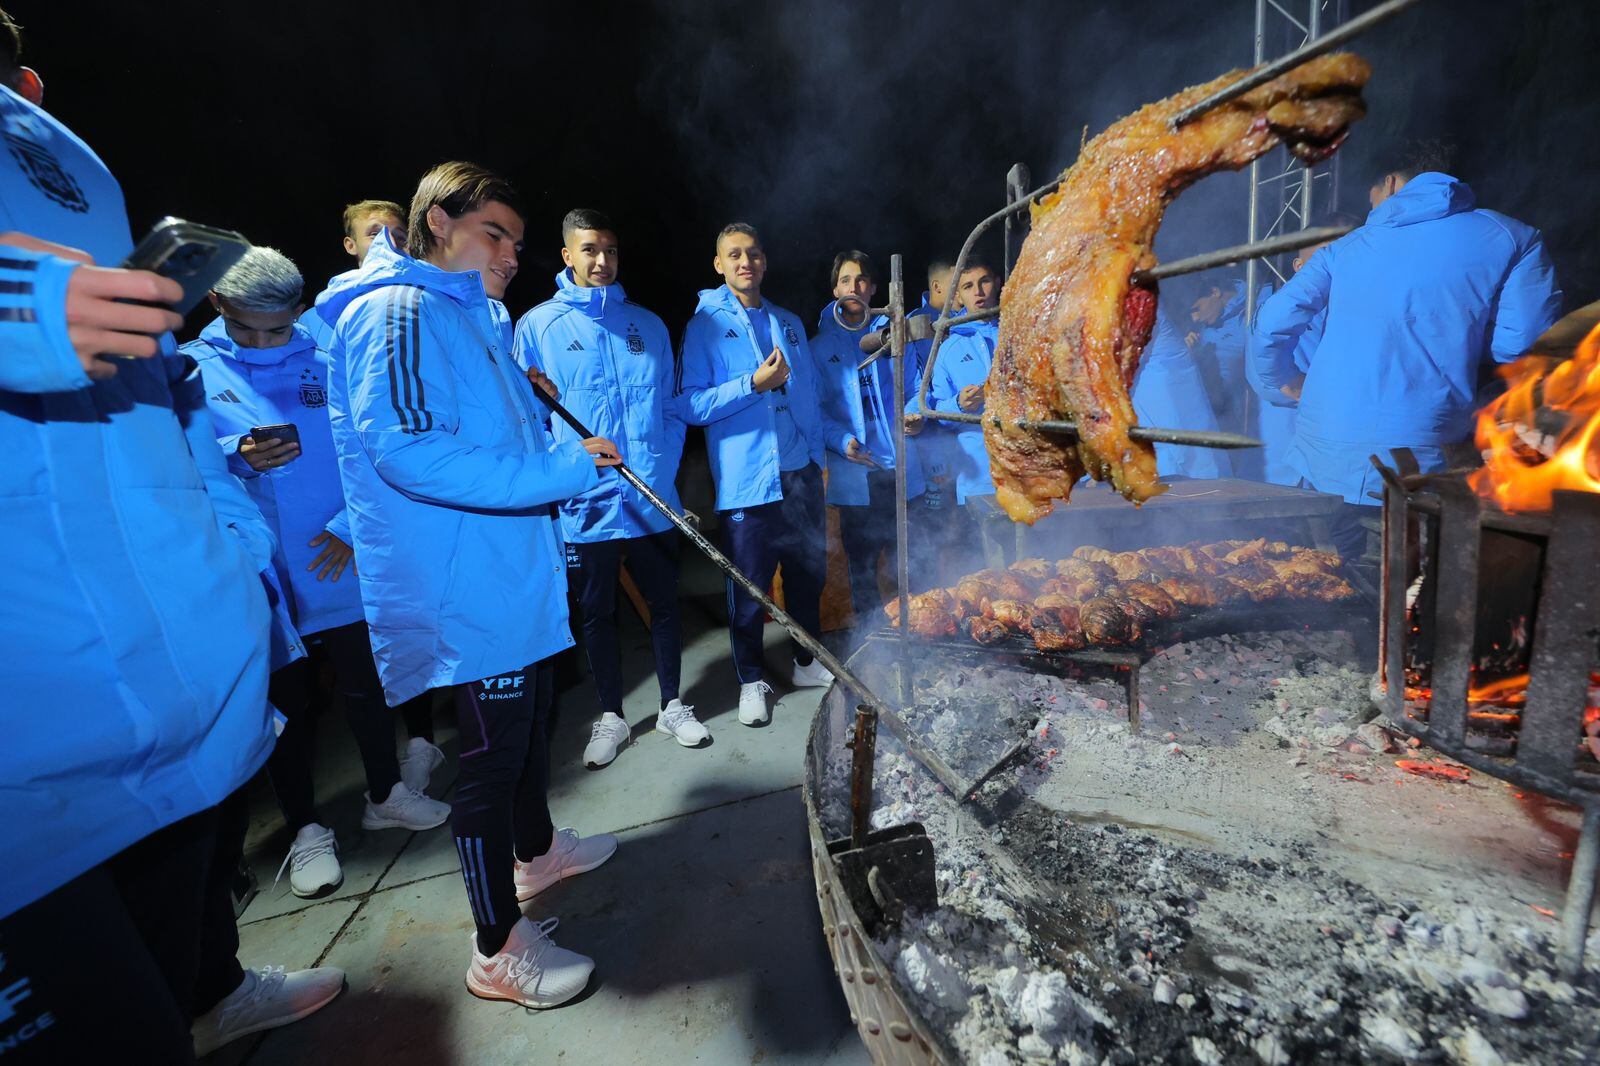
(1521, 469)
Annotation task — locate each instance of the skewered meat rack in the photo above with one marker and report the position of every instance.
(895, 311)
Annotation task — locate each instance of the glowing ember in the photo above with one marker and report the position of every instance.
(1539, 436)
(1440, 770)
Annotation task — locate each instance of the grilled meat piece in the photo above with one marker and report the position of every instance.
(1051, 636)
(1090, 553)
(1015, 615)
(1106, 621)
(1033, 569)
(1054, 601)
(1129, 566)
(985, 630)
(1153, 597)
(1193, 592)
(933, 614)
(1073, 324)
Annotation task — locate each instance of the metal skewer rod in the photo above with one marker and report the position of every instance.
(1263, 74)
(1287, 242)
(1196, 438)
(886, 715)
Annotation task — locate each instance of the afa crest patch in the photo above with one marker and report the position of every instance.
(47, 175)
(312, 394)
(788, 334)
(635, 342)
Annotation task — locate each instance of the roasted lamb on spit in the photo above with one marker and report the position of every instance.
(1106, 598)
(1073, 324)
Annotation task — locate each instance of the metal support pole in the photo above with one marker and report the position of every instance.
(863, 747)
(1580, 896)
(902, 532)
(1018, 182)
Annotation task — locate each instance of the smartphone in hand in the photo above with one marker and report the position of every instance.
(287, 432)
(193, 255)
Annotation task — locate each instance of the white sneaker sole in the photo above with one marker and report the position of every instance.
(798, 682)
(680, 740)
(593, 764)
(489, 992)
(525, 893)
(320, 890)
(201, 1050)
(371, 821)
(753, 720)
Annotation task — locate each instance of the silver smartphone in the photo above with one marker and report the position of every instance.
(193, 255)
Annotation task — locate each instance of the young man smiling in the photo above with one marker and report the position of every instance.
(747, 376)
(449, 480)
(611, 361)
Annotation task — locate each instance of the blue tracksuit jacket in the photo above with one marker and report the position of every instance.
(135, 626)
(248, 387)
(719, 359)
(1277, 411)
(964, 360)
(1418, 301)
(936, 444)
(860, 404)
(448, 476)
(1168, 391)
(612, 362)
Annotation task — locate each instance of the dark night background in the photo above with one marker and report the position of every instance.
(886, 125)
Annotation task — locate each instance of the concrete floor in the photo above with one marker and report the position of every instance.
(704, 926)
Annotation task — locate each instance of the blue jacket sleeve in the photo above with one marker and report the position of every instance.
(1528, 303)
(706, 399)
(236, 511)
(37, 351)
(1281, 321)
(525, 350)
(406, 418)
(836, 435)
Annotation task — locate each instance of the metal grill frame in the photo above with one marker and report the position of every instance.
(1564, 652)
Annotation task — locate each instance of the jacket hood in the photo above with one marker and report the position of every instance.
(1427, 196)
(592, 301)
(1234, 309)
(216, 335)
(385, 266)
(722, 299)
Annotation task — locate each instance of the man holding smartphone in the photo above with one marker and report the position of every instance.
(450, 481)
(748, 377)
(611, 363)
(261, 368)
(858, 419)
(134, 603)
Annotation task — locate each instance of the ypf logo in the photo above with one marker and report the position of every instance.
(504, 687)
(11, 995)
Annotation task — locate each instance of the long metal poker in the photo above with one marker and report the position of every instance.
(897, 725)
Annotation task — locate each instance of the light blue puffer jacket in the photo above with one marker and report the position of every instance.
(612, 362)
(719, 359)
(449, 477)
(860, 404)
(135, 628)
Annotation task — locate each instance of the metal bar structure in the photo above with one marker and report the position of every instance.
(1293, 184)
(1543, 752)
(1314, 47)
(902, 522)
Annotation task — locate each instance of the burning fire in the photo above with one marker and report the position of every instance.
(1539, 436)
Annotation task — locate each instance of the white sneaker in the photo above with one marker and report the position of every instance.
(406, 808)
(530, 969)
(814, 676)
(753, 703)
(608, 734)
(313, 863)
(418, 762)
(678, 721)
(267, 999)
(568, 856)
